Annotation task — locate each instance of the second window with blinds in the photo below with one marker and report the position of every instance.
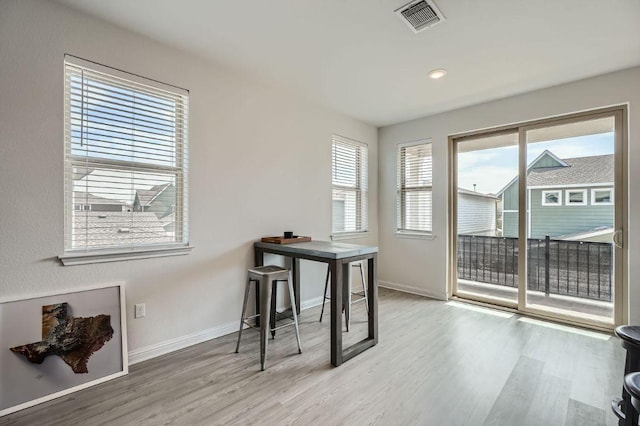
(349, 173)
(414, 188)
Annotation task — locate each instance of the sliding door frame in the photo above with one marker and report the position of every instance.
(452, 288)
(621, 305)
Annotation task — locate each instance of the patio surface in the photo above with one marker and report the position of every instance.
(600, 311)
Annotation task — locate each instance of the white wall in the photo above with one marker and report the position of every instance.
(260, 164)
(419, 265)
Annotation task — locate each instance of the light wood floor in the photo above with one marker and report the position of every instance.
(437, 363)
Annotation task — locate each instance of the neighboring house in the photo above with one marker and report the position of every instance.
(104, 229)
(476, 213)
(169, 223)
(569, 198)
(85, 201)
(160, 199)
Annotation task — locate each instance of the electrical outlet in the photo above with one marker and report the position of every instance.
(141, 310)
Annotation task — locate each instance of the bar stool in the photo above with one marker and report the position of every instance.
(632, 386)
(266, 279)
(623, 407)
(346, 307)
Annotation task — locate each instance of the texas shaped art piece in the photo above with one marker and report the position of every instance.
(72, 339)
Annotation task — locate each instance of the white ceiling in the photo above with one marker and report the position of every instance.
(357, 57)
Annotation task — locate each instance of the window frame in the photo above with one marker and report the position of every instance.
(401, 190)
(593, 196)
(83, 255)
(361, 188)
(568, 193)
(543, 197)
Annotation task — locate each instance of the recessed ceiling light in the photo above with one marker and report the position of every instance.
(436, 74)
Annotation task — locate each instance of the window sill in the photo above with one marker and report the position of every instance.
(415, 235)
(349, 235)
(72, 259)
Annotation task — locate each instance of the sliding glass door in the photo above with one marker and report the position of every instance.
(571, 206)
(538, 217)
(486, 255)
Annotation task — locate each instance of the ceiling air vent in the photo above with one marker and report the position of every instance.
(420, 15)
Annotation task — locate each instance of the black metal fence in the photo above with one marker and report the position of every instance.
(574, 268)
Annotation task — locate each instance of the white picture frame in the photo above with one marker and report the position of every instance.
(24, 384)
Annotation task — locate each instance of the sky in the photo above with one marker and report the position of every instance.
(110, 122)
(492, 169)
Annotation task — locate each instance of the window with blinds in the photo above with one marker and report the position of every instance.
(126, 161)
(414, 187)
(349, 178)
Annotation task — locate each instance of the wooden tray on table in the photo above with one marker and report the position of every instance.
(283, 240)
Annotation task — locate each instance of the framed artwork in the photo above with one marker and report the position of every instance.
(58, 343)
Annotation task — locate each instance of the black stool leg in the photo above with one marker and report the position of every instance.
(294, 310)
(326, 287)
(632, 364)
(265, 307)
(257, 294)
(364, 287)
(274, 304)
(244, 311)
(346, 295)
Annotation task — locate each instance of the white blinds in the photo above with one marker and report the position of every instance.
(126, 160)
(349, 171)
(414, 187)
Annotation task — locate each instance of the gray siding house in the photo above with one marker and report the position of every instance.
(569, 198)
(476, 213)
(83, 201)
(160, 199)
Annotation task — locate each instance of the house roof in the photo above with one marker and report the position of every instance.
(579, 171)
(103, 229)
(168, 219)
(475, 193)
(80, 197)
(597, 169)
(146, 196)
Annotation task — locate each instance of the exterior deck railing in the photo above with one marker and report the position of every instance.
(573, 268)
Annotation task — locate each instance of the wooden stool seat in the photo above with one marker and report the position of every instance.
(630, 335)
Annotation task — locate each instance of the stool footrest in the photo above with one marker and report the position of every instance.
(359, 299)
(283, 326)
(244, 321)
(251, 325)
(361, 294)
(616, 407)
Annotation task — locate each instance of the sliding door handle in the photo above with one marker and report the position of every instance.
(617, 238)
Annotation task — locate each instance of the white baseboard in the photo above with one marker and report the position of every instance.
(311, 303)
(413, 290)
(162, 348)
